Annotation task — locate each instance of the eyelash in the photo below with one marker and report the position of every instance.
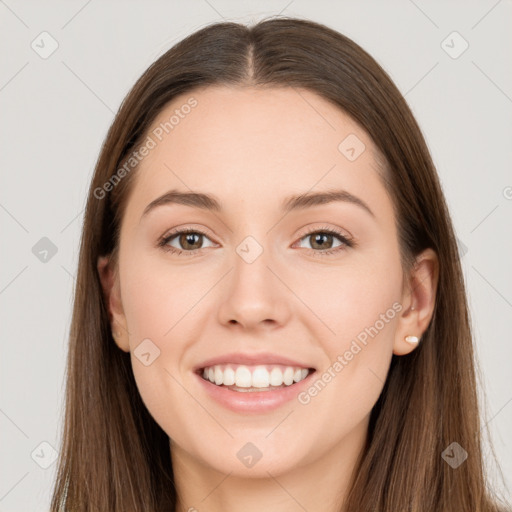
(347, 242)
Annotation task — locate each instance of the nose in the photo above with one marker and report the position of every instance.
(254, 296)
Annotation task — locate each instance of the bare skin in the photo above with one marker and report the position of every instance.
(250, 149)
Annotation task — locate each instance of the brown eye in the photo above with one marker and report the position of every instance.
(187, 240)
(321, 241)
(190, 241)
(325, 240)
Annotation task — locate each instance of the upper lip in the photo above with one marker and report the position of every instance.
(251, 359)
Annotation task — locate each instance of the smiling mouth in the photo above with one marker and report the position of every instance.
(258, 378)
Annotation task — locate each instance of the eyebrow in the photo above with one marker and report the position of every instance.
(296, 202)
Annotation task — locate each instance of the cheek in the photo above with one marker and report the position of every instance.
(158, 297)
(159, 302)
(353, 298)
(163, 308)
(360, 306)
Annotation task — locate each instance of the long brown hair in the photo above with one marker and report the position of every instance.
(114, 456)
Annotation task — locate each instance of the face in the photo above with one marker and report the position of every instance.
(263, 281)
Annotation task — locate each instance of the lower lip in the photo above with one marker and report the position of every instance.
(253, 401)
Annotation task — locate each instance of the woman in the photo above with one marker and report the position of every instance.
(270, 312)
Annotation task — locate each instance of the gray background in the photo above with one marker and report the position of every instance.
(56, 112)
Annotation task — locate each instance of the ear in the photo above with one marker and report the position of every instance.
(418, 300)
(111, 291)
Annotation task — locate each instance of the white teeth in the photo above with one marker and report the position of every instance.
(243, 377)
(276, 377)
(218, 375)
(261, 376)
(229, 377)
(288, 376)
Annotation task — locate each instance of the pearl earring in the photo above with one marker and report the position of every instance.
(412, 339)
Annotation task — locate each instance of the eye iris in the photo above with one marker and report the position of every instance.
(188, 238)
(318, 243)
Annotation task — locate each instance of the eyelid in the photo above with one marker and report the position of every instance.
(188, 228)
(330, 229)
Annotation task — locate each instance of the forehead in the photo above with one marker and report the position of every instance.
(242, 143)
